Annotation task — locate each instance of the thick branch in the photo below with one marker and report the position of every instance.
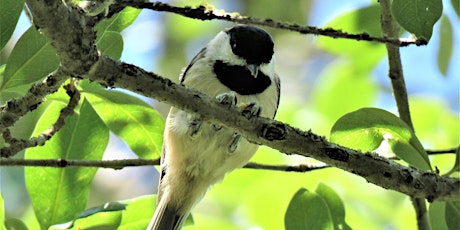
(277, 135)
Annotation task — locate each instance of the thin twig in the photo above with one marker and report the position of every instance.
(16, 108)
(123, 163)
(119, 164)
(16, 145)
(441, 151)
(64, 163)
(206, 12)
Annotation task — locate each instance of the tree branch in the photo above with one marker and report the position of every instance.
(207, 12)
(390, 29)
(441, 151)
(277, 135)
(64, 163)
(16, 108)
(120, 164)
(16, 145)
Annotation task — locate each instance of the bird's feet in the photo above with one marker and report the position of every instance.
(251, 110)
(228, 99)
(194, 125)
(248, 110)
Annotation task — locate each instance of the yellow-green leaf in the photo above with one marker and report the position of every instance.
(367, 128)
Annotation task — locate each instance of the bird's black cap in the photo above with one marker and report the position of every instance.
(251, 43)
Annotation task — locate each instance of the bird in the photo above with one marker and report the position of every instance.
(237, 67)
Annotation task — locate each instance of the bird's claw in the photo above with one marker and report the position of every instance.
(251, 110)
(234, 144)
(228, 99)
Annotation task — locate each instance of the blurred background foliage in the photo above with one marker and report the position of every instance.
(322, 79)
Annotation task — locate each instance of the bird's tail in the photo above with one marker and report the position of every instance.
(166, 217)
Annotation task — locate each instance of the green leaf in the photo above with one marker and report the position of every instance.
(128, 214)
(307, 210)
(10, 12)
(456, 167)
(446, 39)
(453, 214)
(340, 80)
(118, 22)
(2, 213)
(139, 212)
(367, 128)
(101, 217)
(59, 194)
(366, 19)
(417, 16)
(137, 123)
(456, 6)
(111, 44)
(11, 92)
(335, 205)
(32, 59)
(15, 224)
(437, 215)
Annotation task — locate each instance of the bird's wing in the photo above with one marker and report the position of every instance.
(197, 57)
(278, 89)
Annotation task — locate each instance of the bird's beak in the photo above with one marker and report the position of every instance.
(254, 69)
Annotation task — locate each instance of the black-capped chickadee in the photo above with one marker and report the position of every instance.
(237, 67)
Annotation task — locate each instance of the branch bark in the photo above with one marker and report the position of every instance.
(120, 164)
(79, 57)
(205, 12)
(16, 145)
(391, 29)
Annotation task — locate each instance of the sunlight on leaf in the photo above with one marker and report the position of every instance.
(111, 44)
(118, 22)
(341, 89)
(124, 215)
(136, 122)
(365, 19)
(367, 128)
(58, 195)
(32, 59)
